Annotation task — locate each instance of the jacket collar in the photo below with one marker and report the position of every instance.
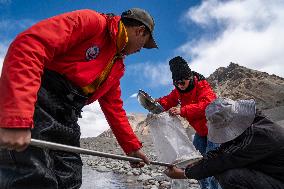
(117, 32)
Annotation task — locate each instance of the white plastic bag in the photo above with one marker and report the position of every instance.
(172, 144)
(170, 140)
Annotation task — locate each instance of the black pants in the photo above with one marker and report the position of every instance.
(247, 179)
(56, 113)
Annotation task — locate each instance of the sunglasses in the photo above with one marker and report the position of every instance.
(179, 82)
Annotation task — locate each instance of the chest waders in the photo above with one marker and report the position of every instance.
(58, 107)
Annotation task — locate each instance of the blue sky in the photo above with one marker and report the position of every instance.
(208, 34)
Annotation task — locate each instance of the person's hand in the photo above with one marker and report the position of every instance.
(15, 139)
(174, 111)
(175, 173)
(138, 154)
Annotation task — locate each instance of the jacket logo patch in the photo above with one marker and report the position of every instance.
(92, 53)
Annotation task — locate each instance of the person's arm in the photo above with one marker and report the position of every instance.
(205, 96)
(170, 100)
(250, 148)
(27, 56)
(24, 64)
(112, 106)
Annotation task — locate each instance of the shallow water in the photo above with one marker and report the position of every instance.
(107, 180)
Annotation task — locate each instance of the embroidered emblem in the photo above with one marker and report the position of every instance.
(92, 53)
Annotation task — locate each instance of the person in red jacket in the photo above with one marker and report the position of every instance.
(50, 72)
(193, 93)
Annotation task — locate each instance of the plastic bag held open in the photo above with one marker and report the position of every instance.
(170, 140)
(169, 137)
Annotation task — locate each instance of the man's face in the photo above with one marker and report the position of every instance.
(136, 39)
(182, 84)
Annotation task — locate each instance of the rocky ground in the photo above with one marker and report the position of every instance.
(150, 176)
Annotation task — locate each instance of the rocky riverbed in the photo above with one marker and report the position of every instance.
(120, 172)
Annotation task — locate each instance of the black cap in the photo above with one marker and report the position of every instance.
(179, 68)
(145, 18)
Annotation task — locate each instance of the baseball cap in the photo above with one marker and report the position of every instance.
(145, 18)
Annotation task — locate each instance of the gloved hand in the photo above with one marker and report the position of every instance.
(139, 154)
(15, 139)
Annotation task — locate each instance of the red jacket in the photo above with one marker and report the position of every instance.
(62, 44)
(193, 104)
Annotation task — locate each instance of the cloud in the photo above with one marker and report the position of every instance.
(133, 95)
(3, 50)
(250, 33)
(1, 65)
(93, 121)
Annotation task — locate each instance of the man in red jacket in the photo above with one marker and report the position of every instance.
(193, 93)
(50, 72)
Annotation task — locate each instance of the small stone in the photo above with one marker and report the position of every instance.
(143, 177)
(193, 181)
(165, 184)
(130, 181)
(129, 174)
(154, 187)
(102, 169)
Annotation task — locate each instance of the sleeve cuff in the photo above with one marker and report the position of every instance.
(16, 122)
(132, 146)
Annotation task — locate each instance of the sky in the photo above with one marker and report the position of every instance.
(208, 34)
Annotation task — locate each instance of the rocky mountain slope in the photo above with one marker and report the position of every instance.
(238, 82)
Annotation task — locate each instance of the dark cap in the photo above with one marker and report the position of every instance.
(179, 68)
(145, 18)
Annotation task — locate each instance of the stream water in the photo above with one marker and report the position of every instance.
(93, 179)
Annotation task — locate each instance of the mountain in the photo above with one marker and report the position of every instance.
(238, 82)
(136, 120)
